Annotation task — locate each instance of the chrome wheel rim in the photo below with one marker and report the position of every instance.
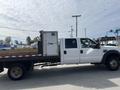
(16, 72)
(113, 64)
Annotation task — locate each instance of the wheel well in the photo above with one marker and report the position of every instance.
(109, 55)
(27, 65)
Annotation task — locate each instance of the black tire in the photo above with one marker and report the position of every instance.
(16, 72)
(112, 63)
(29, 67)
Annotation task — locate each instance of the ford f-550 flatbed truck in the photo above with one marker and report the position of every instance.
(52, 51)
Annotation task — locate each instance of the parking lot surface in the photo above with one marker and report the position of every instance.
(71, 77)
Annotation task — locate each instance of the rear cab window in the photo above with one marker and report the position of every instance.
(70, 43)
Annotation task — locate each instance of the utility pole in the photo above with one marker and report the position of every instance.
(117, 35)
(76, 16)
(85, 32)
(71, 31)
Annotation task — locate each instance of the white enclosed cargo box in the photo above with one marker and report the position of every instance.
(49, 43)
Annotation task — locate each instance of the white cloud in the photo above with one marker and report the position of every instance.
(97, 16)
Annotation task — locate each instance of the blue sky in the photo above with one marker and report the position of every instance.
(20, 18)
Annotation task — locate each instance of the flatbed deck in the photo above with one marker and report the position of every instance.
(35, 58)
(19, 51)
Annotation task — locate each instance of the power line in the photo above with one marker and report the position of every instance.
(16, 29)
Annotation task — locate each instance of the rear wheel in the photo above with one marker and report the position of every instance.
(113, 63)
(16, 72)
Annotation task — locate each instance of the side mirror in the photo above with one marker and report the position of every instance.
(97, 46)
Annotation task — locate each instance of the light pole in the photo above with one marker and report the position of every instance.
(76, 16)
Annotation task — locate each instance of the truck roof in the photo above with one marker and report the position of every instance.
(74, 38)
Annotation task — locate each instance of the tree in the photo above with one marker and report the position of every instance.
(1, 42)
(8, 40)
(28, 40)
(36, 39)
(16, 42)
(21, 43)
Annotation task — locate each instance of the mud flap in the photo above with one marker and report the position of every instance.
(1, 69)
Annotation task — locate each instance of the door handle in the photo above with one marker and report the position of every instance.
(65, 52)
(81, 51)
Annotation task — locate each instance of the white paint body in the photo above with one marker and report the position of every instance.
(73, 50)
(89, 55)
(50, 43)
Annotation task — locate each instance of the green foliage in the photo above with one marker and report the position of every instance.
(28, 40)
(8, 40)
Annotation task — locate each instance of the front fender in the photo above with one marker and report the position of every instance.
(109, 54)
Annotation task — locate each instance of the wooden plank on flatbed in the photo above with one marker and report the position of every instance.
(18, 52)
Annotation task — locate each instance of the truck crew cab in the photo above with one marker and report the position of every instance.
(85, 50)
(52, 51)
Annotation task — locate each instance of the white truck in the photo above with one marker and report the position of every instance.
(52, 51)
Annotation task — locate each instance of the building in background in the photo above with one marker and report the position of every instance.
(111, 40)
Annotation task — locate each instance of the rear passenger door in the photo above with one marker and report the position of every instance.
(71, 52)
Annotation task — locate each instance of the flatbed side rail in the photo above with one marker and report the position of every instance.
(34, 58)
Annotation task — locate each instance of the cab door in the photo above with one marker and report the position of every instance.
(88, 52)
(70, 52)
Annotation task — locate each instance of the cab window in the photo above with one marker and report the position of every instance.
(70, 43)
(87, 43)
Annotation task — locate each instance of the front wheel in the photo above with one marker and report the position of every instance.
(113, 63)
(16, 72)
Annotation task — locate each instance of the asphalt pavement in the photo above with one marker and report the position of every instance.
(71, 77)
